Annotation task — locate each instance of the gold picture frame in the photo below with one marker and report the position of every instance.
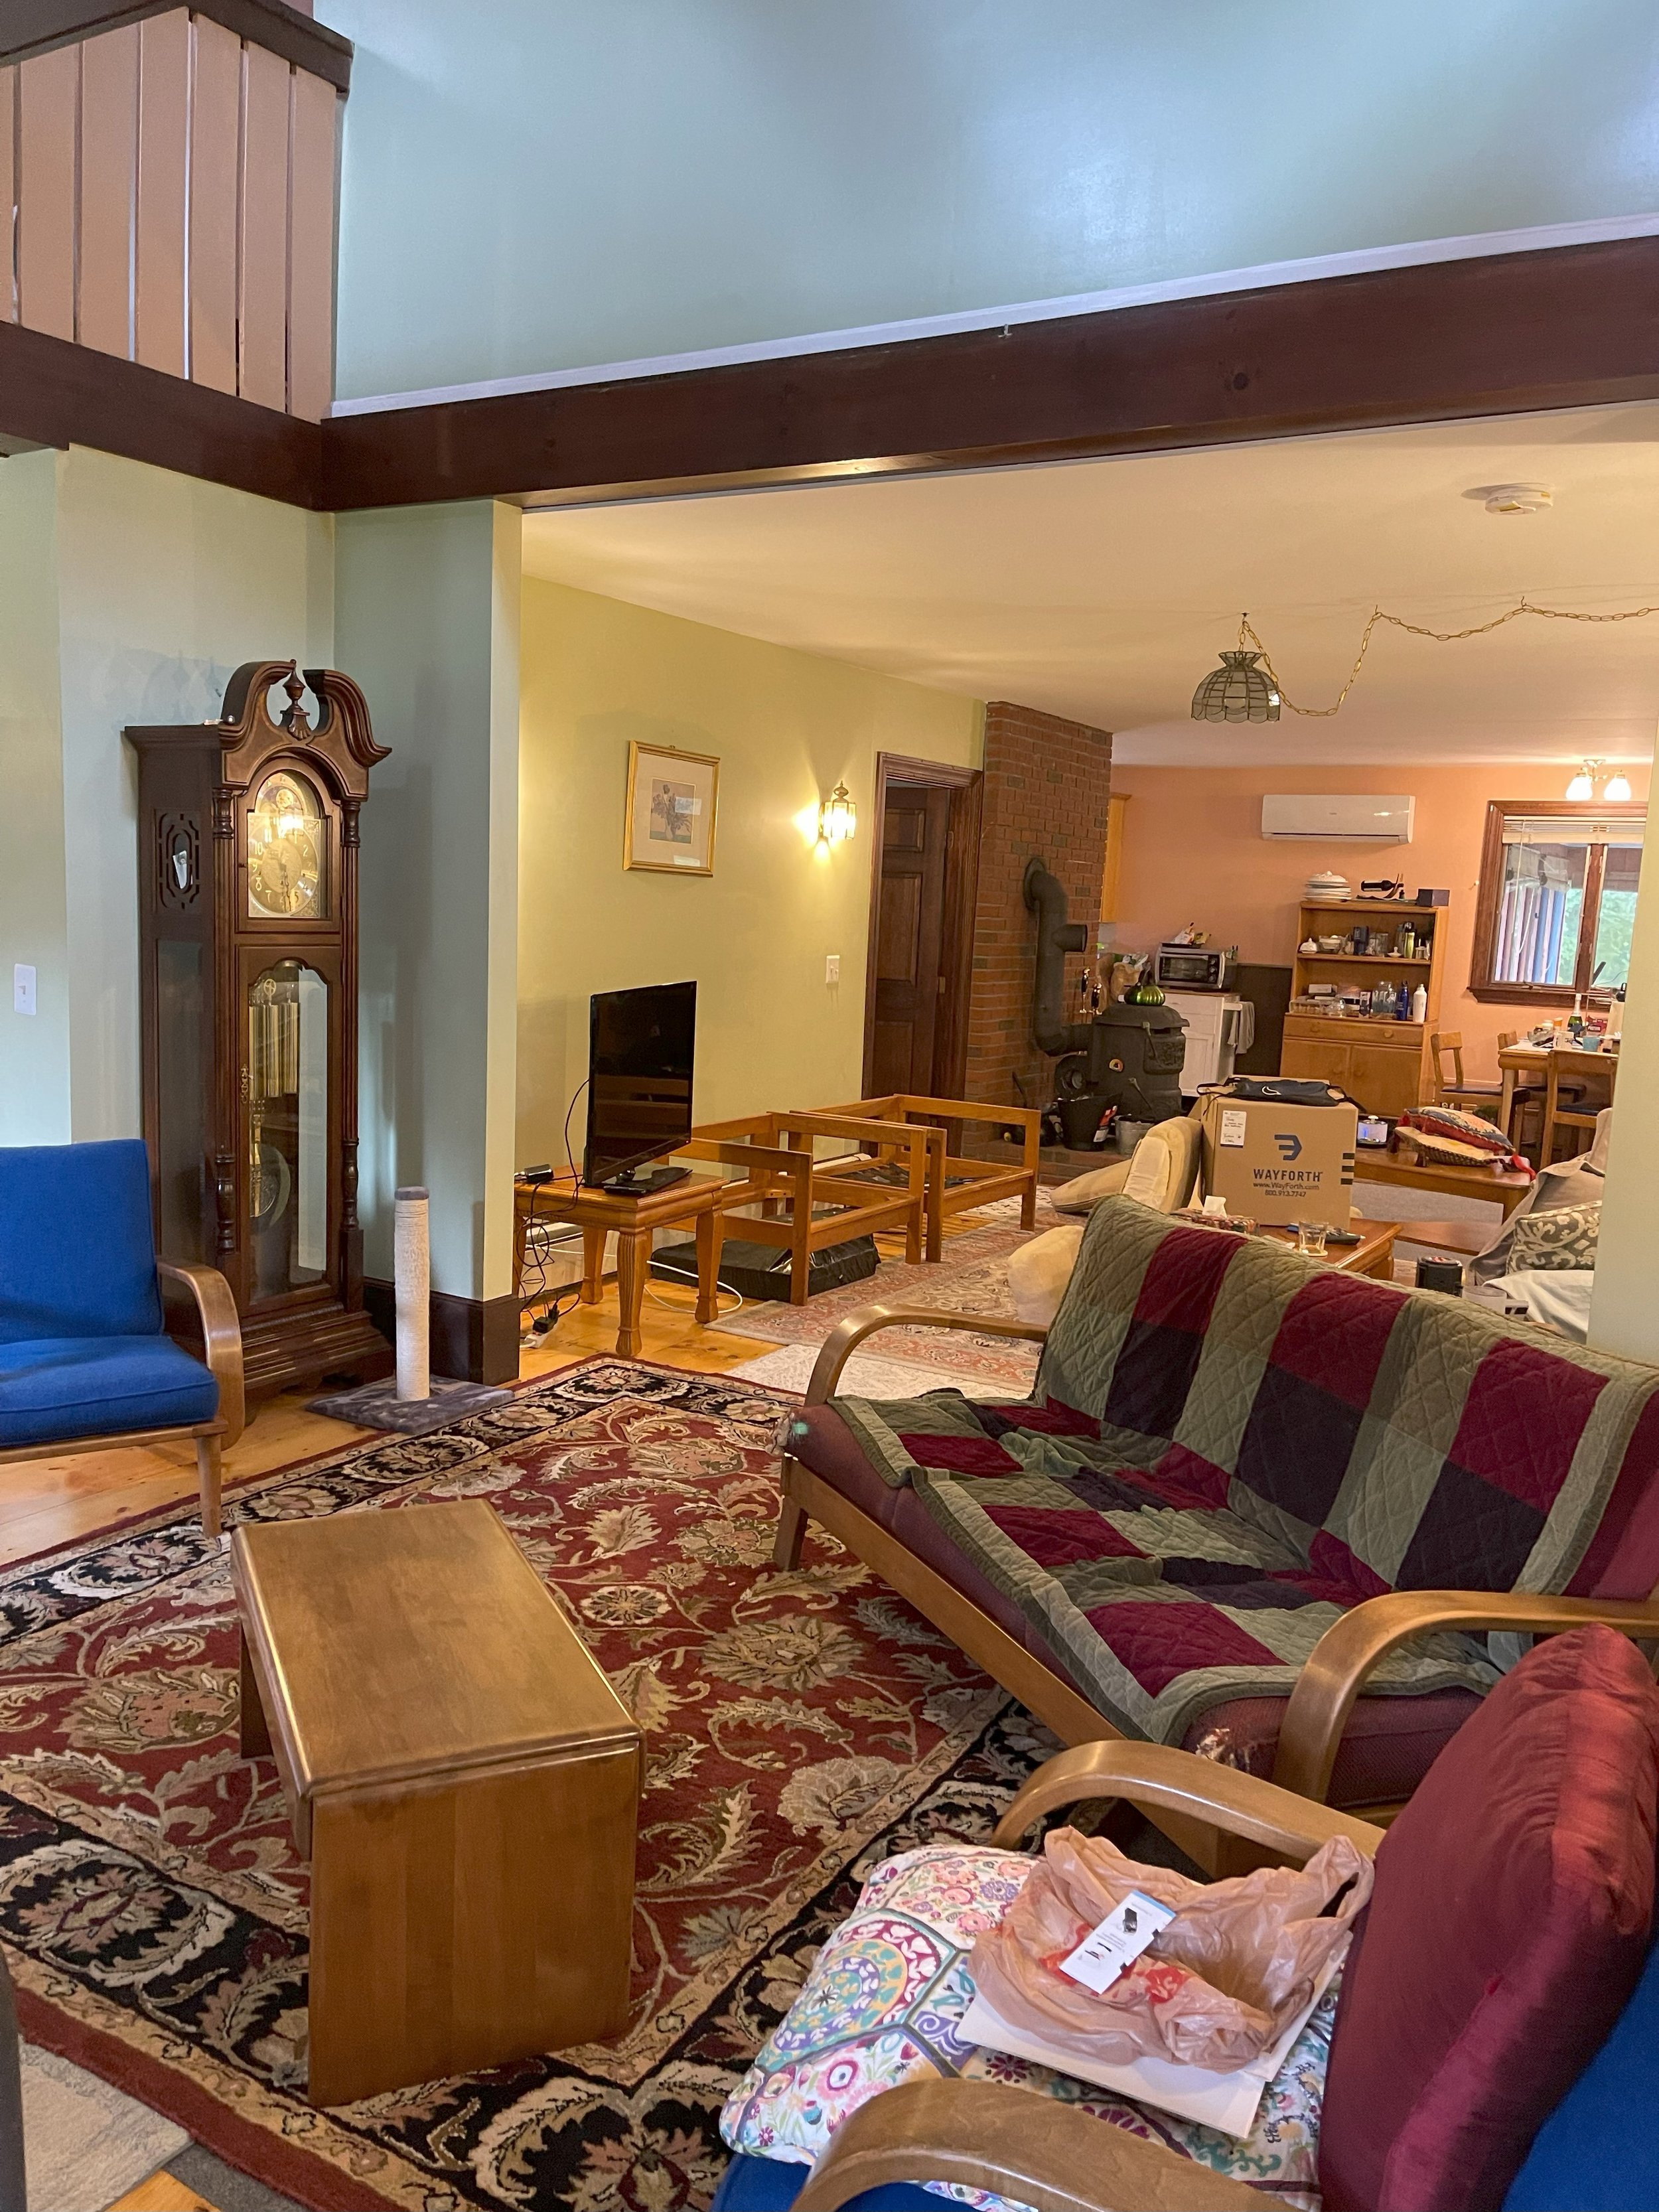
(669, 824)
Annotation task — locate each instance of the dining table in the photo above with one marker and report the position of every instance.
(1550, 1066)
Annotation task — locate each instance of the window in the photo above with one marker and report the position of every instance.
(1557, 900)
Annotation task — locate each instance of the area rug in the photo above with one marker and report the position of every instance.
(798, 1726)
(866, 1375)
(971, 1278)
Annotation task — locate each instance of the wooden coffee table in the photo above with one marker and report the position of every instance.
(463, 1779)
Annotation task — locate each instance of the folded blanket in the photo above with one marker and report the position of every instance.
(1229, 1445)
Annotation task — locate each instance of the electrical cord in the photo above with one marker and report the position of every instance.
(679, 1274)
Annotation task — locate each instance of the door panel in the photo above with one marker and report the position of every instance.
(1384, 1078)
(909, 937)
(1316, 1062)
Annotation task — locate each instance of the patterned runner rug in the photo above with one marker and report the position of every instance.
(971, 1277)
(799, 1728)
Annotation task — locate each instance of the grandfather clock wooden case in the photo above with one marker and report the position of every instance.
(247, 870)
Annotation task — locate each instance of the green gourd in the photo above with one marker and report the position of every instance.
(1147, 993)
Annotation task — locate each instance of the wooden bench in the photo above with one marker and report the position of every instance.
(462, 1778)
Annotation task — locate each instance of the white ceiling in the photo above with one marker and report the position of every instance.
(1104, 589)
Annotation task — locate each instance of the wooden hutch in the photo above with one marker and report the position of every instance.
(1382, 1062)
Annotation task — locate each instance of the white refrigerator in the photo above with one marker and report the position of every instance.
(1220, 1026)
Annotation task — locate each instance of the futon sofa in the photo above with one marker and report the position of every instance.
(1255, 1507)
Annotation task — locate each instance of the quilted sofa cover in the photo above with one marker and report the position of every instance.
(1227, 1446)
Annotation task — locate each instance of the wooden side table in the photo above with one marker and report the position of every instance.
(1373, 1254)
(1505, 1187)
(598, 1214)
(463, 1779)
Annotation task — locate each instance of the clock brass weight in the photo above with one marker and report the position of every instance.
(247, 896)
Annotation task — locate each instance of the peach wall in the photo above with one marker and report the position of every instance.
(1192, 851)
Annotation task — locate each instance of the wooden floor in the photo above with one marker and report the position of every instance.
(47, 1503)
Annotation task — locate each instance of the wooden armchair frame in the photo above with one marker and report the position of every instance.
(1334, 1676)
(822, 1205)
(1055, 2156)
(957, 1184)
(220, 1328)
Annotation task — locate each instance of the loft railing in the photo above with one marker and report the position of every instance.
(167, 193)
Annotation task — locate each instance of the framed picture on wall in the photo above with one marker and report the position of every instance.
(671, 811)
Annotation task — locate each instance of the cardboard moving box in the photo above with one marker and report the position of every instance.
(1278, 1163)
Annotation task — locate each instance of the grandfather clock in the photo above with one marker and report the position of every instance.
(247, 874)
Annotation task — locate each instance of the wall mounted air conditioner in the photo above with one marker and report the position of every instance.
(1351, 817)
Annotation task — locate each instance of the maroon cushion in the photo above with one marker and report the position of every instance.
(1388, 1744)
(1513, 1902)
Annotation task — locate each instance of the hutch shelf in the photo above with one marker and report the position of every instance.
(1382, 1062)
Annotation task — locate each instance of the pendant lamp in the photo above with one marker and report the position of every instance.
(1238, 691)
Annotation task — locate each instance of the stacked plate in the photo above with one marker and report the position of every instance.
(1326, 890)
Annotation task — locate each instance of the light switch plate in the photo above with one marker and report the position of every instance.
(22, 989)
(832, 968)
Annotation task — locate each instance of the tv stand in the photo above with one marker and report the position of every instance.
(644, 1183)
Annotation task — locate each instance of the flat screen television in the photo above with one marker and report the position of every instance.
(639, 1083)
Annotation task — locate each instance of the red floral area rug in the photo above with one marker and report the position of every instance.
(799, 1727)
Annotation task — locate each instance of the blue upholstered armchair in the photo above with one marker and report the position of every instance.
(85, 1358)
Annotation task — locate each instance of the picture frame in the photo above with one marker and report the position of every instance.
(668, 827)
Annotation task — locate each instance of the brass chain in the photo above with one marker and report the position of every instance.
(1247, 639)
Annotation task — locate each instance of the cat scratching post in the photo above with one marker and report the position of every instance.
(412, 1269)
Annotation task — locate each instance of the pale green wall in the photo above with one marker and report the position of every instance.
(532, 184)
(427, 616)
(35, 1062)
(1625, 1304)
(148, 590)
(786, 727)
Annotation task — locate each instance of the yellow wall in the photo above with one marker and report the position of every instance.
(786, 725)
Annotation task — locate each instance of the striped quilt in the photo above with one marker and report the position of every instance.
(1227, 1446)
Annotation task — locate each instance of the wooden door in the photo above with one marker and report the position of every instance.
(908, 976)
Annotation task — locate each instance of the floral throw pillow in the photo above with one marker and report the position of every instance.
(1563, 1236)
(1466, 1129)
(883, 2005)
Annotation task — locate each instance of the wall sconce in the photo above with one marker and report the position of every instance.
(838, 818)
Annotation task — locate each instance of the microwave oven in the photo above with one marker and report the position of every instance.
(1193, 967)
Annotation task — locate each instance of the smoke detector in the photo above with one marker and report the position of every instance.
(1516, 499)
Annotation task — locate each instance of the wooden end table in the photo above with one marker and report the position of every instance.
(598, 1214)
(1372, 1255)
(463, 1779)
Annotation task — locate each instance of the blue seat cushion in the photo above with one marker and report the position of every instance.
(77, 1253)
(59, 1388)
(772, 2185)
(1599, 2149)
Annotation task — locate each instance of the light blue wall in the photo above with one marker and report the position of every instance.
(426, 620)
(532, 184)
(127, 594)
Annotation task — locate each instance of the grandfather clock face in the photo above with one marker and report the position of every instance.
(286, 851)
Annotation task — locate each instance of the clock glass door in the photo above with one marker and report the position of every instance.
(287, 850)
(289, 1233)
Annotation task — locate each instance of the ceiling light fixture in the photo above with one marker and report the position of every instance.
(1618, 790)
(1582, 786)
(1240, 691)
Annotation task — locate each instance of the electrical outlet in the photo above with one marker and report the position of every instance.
(22, 989)
(832, 968)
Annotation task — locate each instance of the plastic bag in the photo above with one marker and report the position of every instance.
(1217, 1987)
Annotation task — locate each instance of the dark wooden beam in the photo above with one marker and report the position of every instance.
(36, 26)
(1572, 326)
(53, 394)
(1569, 326)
